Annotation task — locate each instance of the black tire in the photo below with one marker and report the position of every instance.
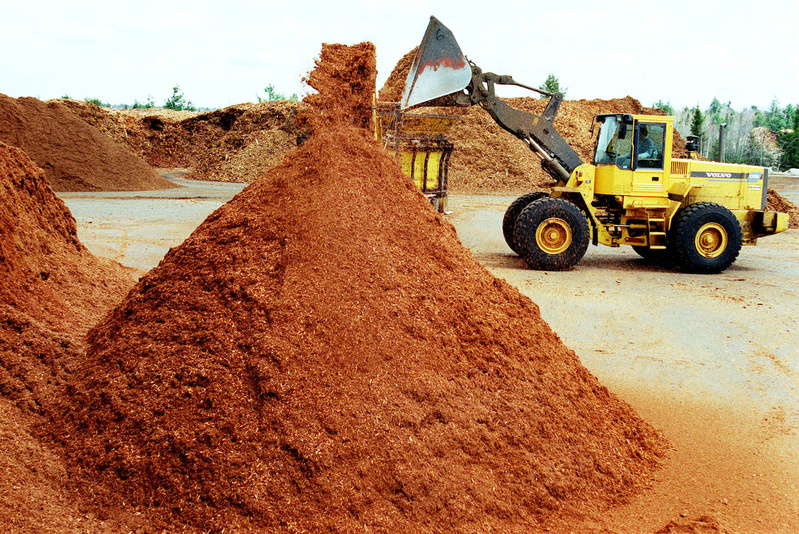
(513, 211)
(705, 238)
(657, 256)
(552, 234)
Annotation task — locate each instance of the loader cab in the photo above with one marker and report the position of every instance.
(630, 144)
(632, 154)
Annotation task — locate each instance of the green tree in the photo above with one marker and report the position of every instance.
(788, 142)
(667, 108)
(790, 113)
(272, 95)
(775, 117)
(697, 121)
(97, 102)
(552, 85)
(714, 111)
(146, 105)
(178, 102)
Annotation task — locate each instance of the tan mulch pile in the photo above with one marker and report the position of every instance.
(74, 155)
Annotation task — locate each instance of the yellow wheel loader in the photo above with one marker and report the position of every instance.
(695, 214)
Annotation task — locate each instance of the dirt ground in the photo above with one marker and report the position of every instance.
(709, 360)
(138, 228)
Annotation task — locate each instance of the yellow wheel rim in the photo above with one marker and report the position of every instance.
(553, 235)
(711, 240)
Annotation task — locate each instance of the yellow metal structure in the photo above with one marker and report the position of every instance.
(420, 147)
(632, 200)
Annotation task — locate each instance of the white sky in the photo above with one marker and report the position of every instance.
(225, 52)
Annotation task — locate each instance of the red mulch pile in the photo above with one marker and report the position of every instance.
(46, 272)
(51, 291)
(323, 355)
(344, 79)
(74, 155)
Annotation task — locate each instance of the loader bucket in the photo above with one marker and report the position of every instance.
(438, 69)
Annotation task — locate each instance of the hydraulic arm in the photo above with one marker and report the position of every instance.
(440, 68)
(557, 157)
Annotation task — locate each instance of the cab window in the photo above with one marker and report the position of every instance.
(614, 143)
(650, 139)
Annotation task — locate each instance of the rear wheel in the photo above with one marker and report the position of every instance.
(552, 234)
(706, 238)
(513, 211)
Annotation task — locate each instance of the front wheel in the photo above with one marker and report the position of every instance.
(552, 234)
(512, 213)
(706, 238)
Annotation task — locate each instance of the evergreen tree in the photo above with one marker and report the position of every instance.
(665, 106)
(552, 85)
(789, 144)
(697, 121)
(776, 118)
(714, 111)
(178, 102)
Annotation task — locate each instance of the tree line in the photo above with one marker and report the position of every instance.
(767, 137)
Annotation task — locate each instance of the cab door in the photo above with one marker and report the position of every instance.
(649, 175)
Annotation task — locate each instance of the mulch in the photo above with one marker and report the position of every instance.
(322, 354)
(75, 155)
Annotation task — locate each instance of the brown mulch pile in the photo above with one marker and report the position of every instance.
(74, 155)
(322, 354)
(51, 291)
(235, 144)
(487, 159)
(777, 202)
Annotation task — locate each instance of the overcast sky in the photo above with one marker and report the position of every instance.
(225, 52)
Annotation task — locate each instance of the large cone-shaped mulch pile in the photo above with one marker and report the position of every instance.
(323, 355)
